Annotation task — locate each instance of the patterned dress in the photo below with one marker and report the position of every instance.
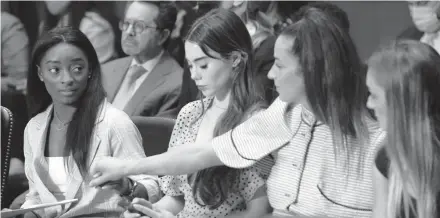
(250, 179)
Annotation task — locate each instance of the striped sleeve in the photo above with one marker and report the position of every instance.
(254, 139)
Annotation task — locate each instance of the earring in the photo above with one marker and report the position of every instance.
(90, 75)
(235, 63)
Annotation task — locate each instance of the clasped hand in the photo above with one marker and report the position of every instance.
(141, 208)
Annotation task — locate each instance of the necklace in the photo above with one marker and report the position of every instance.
(63, 124)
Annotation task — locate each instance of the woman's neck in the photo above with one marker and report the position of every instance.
(64, 113)
(222, 100)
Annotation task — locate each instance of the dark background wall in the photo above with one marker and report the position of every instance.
(375, 23)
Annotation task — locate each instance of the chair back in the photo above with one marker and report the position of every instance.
(7, 127)
(156, 133)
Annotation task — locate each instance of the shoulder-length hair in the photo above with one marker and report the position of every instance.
(79, 131)
(409, 73)
(222, 31)
(333, 77)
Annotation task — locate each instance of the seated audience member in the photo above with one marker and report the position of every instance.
(15, 64)
(15, 54)
(72, 126)
(219, 53)
(148, 82)
(426, 18)
(319, 131)
(404, 80)
(85, 16)
(278, 13)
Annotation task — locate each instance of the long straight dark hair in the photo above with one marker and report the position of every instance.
(80, 129)
(333, 75)
(222, 31)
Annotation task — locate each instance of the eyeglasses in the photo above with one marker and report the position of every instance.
(138, 26)
(418, 3)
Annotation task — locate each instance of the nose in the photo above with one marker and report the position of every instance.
(130, 30)
(194, 75)
(369, 103)
(66, 78)
(271, 73)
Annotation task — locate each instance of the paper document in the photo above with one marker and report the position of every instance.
(13, 213)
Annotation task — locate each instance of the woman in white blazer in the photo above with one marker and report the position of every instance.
(73, 126)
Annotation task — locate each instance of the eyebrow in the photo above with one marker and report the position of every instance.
(198, 59)
(57, 62)
(49, 61)
(77, 60)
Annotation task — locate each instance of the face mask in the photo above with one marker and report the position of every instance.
(425, 18)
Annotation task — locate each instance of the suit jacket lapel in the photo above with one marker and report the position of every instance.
(154, 79)
(41, 167)
(116, 77)
(75, 179)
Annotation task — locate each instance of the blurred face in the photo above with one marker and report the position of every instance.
(141, 16)
(212, 76)
(425, 15)
(237, 6)
(64, 69)
(286, 72)
(57, 7)
(376, 99)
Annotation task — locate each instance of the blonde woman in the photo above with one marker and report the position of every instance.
(404, 80)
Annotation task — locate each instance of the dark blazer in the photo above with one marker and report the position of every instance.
(411, 33)
(158, 95)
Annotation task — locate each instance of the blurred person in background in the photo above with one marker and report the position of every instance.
(426, 19)
(85, 16)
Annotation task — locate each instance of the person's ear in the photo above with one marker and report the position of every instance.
(40, 74)
(165, 34)
(238, 57)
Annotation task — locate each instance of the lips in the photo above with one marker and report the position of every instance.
(68, 92)
(129, 42)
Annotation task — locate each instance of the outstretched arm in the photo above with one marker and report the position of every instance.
(249, 142)
(176, 161)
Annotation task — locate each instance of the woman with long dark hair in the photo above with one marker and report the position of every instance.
(404, 81)
(73, 126)
(219, 54)
(319, 130)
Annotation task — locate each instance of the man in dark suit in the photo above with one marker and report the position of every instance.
(148, 81)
